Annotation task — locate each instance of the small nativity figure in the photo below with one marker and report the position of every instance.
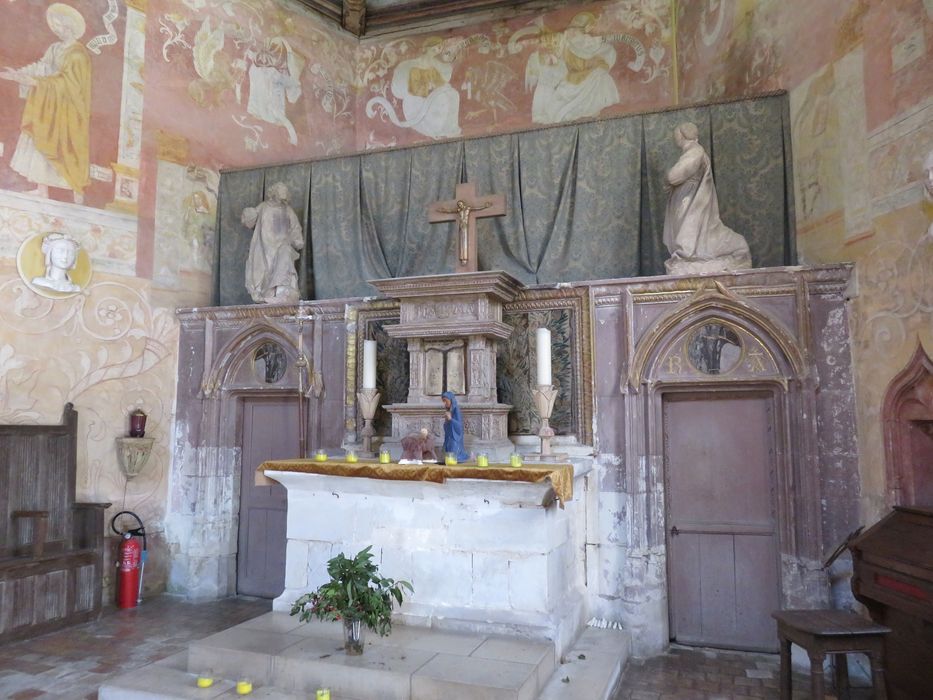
(453, 428)
(419, 447)
(61, 255)
(277, 238)
(694, 234)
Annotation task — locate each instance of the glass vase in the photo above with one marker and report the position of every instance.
(353, 637)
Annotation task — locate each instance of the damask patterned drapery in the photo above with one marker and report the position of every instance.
(583, 201)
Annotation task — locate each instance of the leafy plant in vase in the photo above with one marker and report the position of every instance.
(356, 595)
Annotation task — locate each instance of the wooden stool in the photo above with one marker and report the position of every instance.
(822, 632)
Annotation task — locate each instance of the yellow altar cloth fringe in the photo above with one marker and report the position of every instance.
(560, 475)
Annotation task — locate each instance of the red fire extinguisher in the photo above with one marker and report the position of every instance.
(131, 560)
(128, 572)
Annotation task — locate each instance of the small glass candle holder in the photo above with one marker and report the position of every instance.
(205, 679)
(244, 686)
(450, 459)
(352, 459)
(385, 456)
(482, 460)
(515, 460)
(322, 694)
(320, 456)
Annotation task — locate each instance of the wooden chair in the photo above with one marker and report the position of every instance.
(822, 632)
(51, 548)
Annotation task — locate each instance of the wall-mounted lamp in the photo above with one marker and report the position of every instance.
(133, 451)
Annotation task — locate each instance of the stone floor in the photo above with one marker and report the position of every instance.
(72, 663)
(685, 673)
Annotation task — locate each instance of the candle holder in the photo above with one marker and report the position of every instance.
(369, 402)
(545, 396)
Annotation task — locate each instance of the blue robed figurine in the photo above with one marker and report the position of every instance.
(453, 427)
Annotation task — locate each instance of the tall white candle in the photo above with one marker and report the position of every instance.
(543, 336)
(369, 364)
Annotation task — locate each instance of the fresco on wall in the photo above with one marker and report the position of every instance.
(589, 60)
(255, 80)
(57, 126)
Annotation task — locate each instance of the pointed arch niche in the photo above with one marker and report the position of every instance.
(718, 350)
(907, 416)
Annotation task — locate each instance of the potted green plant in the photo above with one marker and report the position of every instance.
(356, 594)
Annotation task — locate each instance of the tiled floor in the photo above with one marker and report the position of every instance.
(707, 674)
(74, 662)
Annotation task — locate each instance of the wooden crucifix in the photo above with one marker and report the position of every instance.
(465, 210)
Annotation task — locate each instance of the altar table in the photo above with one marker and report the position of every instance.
(482, 546)
(560, 475)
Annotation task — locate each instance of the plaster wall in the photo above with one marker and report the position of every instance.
(862, 123)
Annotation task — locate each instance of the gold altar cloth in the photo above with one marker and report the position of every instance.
(560, 475)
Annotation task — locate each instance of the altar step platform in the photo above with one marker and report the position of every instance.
(286, 659)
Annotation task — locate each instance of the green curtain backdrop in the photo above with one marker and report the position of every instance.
(584, 201)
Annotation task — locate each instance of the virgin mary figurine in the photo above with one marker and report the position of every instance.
(453, 427)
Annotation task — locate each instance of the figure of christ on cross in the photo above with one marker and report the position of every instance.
(465, 210)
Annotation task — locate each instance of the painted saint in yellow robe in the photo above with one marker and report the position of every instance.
(54, 144)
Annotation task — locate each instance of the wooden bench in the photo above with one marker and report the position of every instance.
(822, 632)
(51, 548)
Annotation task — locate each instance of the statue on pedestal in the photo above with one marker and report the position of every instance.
(694, 234)
(277, 238)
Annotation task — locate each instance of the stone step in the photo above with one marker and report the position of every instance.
(592, 667)
(286, 659)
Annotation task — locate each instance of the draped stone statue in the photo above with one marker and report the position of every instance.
(277, 238)
(694, 234)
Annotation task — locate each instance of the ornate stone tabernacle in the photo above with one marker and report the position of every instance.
(452, 324)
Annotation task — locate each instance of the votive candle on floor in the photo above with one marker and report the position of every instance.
(323, 694)
(244, 687)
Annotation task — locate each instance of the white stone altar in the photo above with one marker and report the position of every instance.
(494, 557)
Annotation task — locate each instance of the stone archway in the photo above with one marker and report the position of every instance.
(719, 353)
(907, 416)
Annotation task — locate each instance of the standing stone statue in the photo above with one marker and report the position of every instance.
(693, 232)
(277, 238)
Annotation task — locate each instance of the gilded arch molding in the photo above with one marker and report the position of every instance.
(716, 302)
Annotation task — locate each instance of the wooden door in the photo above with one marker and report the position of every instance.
(268, 430)
(721, 523)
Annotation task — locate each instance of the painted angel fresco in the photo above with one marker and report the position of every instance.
(53, 149)
(569, 71)
(251, 54)
(430, 104)
(274, 79)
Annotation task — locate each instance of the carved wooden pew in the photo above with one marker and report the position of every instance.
(51, 548)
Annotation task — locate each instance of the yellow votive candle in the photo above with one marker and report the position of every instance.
(385, 457)
(205, 681)
(450, 459)
(320, 456)
(352, 458)
(515, 460)
(482, 461)
(323, 694)
(244, 687)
